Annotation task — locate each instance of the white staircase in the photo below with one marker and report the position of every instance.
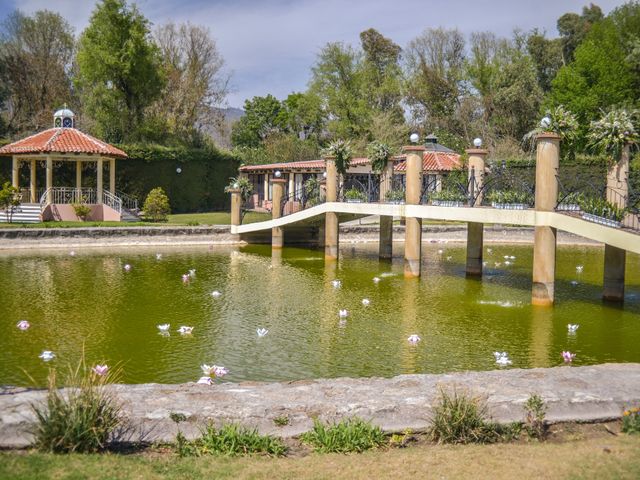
(129, 215)
(23, 213)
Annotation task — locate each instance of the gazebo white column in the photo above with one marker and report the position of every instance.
(32, 181)
(49, 183)
(78, 174)
(15, 172)
(99, 182)
(112, 176)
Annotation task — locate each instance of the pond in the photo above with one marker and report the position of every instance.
(89, 301)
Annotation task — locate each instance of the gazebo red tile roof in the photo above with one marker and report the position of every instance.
(62, 140)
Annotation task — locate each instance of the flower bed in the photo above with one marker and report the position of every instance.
(601, 220)
(447, 203)
(510, 206)
(568, 207)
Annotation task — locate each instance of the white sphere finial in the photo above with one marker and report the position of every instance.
(477, 142)
(277, 174)
(414, 137)
(545, 122)
(324, 174)
(178, 170)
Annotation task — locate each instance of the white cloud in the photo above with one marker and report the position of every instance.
(269, 46)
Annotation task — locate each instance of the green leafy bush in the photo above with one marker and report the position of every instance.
(458, 418)
(448, 195)
(82, 210)
(351, 435)
(631, 420)
(82, 418)
(9, 199)
(535, 413)
(395, 195)
(156, 206)
(229, 440)
(509, 196)
(602, 208)
(242, 183)
(355, 194)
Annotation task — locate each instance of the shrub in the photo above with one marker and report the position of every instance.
(351, 435)
(230, 440)
(509, 196)
(448, 196)
(458, 418)
(354, 194)
(9, 199)
(242, 183)
(82, 418)
(535, 412)
(156, 206)
(395, 195)
(281, 421)
(631, 420)
(82, 210)
(602, 208)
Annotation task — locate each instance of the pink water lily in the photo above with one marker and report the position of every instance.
(219, 371)
(184, 330)
(343, 313)
(568, 356)
(23, 325)
(100, 370)
(185, 278)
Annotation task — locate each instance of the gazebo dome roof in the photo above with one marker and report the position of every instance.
(62, 140)
(64, 112)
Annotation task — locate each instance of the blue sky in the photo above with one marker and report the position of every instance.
(269, 46)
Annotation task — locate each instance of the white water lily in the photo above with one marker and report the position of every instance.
(336, 283)
(127, 267)
(449, 258)
(579, 268)
(498, 264)
(192, 272)
(72, 253)
(185, 330)
(512, 257)
(572, 327)
(440, 252)
(207, 369)
(205, 381)
(574, 282)
(216, 294)
(164, 327)
(376, 279)
(507, 263)
(414, 338)
(47, 355)
(502, 358)
(343, 313)
(489, 250)
(484, 264)
(158, 256)
(366, 302)
(262, 332)
(23, 324)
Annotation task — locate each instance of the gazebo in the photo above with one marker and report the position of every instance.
(65, 143)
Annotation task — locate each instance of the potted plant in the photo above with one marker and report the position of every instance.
(379, 154)
(341, 151)
(570, 202)
(448, 198)
(353, 195)
(600, 211)
(509, 199)
(395, 196)
(612, 132)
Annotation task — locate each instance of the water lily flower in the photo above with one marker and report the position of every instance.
(185, 278)
(572, 327)
(498, 264)
(366, 302)
(484, 264)
(192, 272)
(185, 330)
(579, 268)
(219, 371)
(127, 267)
(376, 279)
(449, 258)
(207, 369)
(164, 327)
(489, 250)
(158, 256)
(512, 257)
(215, 294)
(72, 253)
(343, 313)
(47, 355)
(336, 283)
(100, 370)
(440, 251)
(262, 332)
(506, 257)
(502, 358)
(205, 381)
(23, 325)
(574, 282)
(414, 338)
(568, 356)
(507, 263)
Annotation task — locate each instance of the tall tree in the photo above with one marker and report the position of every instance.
(547, 56)
(262, 118)
(435, 72)
(119, 73)
(195, 83)
(36, 53)
(574, 28)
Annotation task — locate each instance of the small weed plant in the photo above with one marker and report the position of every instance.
(631, 420)
(281, 421)
(82, 417)
(230, 440)
(535, 412)
(347, 436)
(459, 418)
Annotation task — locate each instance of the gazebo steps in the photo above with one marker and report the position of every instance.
(129, 216)
(24, 213)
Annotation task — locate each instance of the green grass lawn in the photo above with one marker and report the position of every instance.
(593, 458)
(211, 218)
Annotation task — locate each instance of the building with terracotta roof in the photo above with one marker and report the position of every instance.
(437, 162)
(65, 143)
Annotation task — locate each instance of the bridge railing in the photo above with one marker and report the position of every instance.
(356, 190)
(307, 196)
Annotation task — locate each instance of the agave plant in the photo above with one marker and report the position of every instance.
(560, 121)
(342, 152)
(612, 132)
(379, 153)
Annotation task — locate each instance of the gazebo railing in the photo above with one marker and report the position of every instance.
(112, 201)
(128, 201)
(68, 195)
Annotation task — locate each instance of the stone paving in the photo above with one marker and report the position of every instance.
(584, 394)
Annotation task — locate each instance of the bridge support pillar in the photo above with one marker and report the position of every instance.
(544, 247)
(331, 224)
(614, 270)
(475, 234)
(386, 237)
(236, 206)
(277, 235)
(413, 228)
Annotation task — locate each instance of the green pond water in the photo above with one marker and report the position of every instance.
(89, 301)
